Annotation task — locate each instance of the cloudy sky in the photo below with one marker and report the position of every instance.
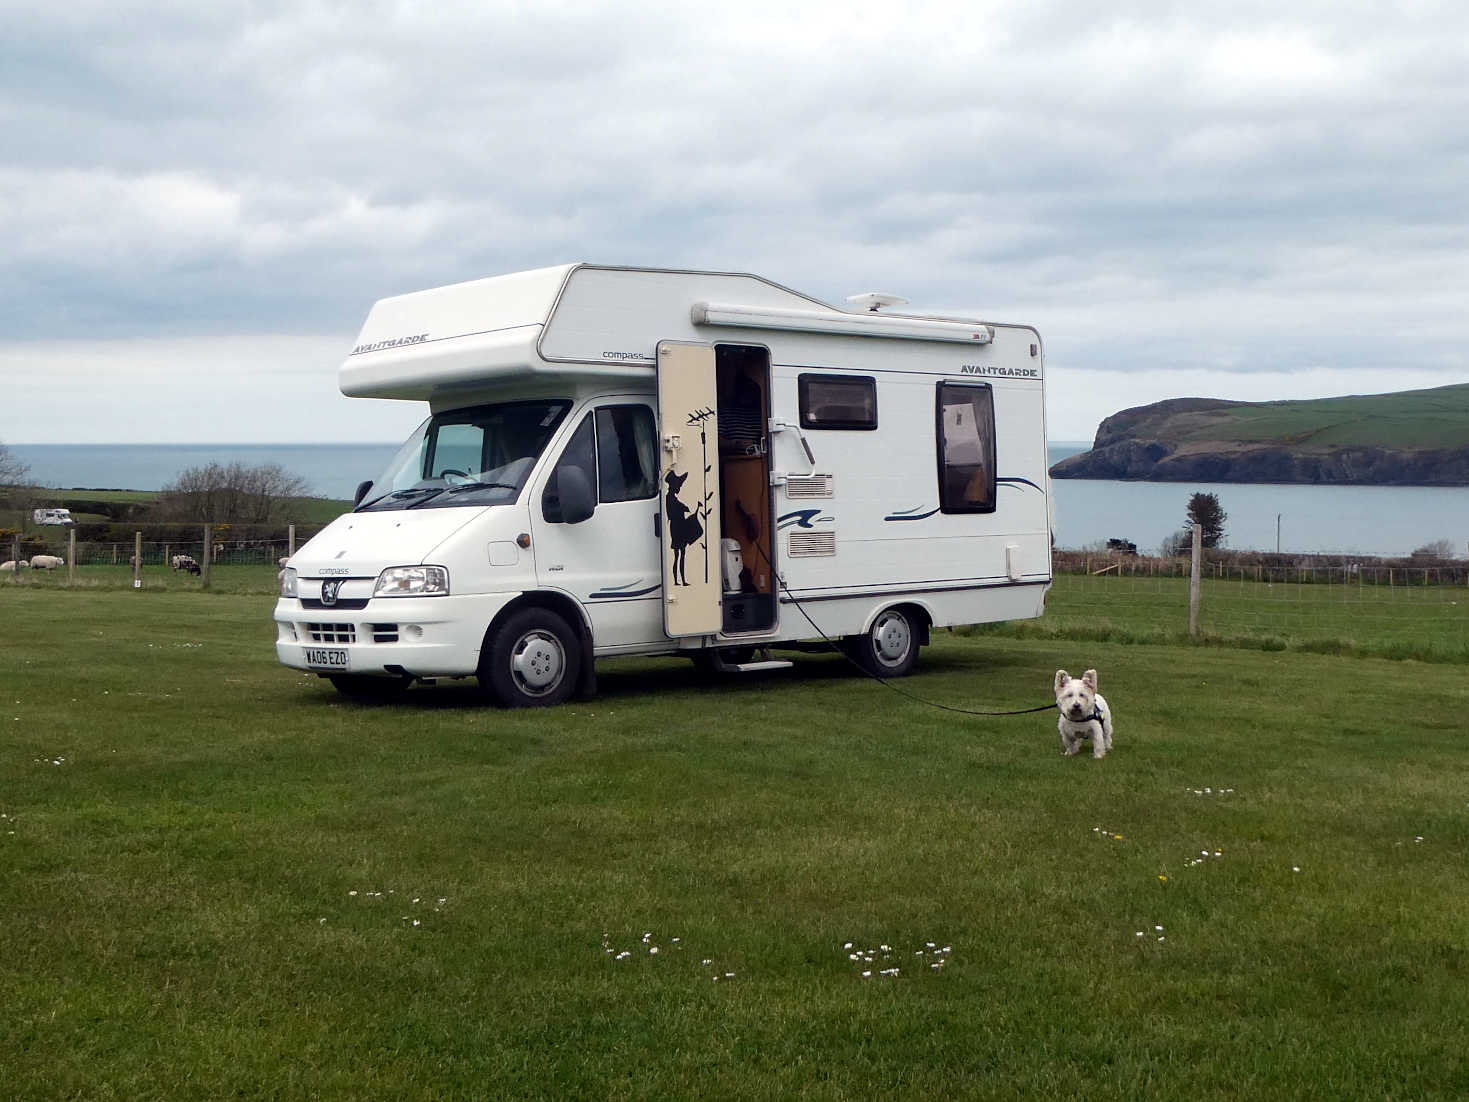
(199, 202)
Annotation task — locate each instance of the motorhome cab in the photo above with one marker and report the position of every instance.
(632, 461)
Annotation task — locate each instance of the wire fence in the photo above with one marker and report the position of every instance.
(224, 553)
(1341, 604)
(140, 563)
(1326, 603)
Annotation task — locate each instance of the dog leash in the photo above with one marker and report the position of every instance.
(881, 680)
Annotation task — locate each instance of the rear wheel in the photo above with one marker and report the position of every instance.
(890, 646)
(369, 690)
(532, 660)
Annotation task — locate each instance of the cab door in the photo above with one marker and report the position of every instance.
(608, 561)
(689, 480)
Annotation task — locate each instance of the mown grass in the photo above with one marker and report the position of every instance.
(199, 837)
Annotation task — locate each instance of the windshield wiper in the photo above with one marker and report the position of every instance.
(398, 495)
(460, 487)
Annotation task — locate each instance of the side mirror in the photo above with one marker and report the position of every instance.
(362, 488)
(578, 501)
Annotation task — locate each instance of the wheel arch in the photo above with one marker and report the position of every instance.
(918, 613)
(569, 610)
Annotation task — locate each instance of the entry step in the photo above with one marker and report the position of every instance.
(752, 667)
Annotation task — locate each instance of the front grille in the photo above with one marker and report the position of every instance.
(384, 633)
(352, 604)
(332, 633)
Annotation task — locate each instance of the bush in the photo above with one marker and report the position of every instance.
(229, 493)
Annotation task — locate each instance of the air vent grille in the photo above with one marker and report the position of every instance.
(811, 543)
(332, 633)
(805, 487)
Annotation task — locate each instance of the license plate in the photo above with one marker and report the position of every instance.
(331, 658)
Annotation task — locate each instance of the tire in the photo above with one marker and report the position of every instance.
(890, 646)
(369, 690)
(532, 660)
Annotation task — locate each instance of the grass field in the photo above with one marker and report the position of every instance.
(1437, 418)
(219, 879)
(301, 510)
(1424, 622)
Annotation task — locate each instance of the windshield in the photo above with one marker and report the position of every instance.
(476, 456)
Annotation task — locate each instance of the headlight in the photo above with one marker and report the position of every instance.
(412, 581)
(288, 582)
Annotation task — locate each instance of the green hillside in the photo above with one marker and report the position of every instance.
(1410, 438)
(1437, 418)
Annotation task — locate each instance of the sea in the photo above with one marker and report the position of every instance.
(1347, 520)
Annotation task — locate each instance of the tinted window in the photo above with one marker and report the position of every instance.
(627, 453)
(838, 402)
(966, 448)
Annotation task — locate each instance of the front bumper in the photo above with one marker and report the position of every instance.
(423, 636)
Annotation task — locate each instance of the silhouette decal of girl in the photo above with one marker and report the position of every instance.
(683, 527)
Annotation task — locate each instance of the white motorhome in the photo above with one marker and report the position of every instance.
(54, 516)
(627, 461)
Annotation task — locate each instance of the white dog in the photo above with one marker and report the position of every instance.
(1084, 713)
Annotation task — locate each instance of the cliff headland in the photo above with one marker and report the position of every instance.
(1410, 438)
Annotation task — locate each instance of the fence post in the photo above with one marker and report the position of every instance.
(1193, 582)
(15, 558)
(290, 540)
(71, 557)
(208, 556)
(137, 560)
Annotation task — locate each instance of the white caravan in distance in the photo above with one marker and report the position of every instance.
(626, 461)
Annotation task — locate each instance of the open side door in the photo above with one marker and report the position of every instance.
(692, 579)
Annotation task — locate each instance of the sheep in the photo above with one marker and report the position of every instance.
(46, 562)
(186, 562)
(11, 566)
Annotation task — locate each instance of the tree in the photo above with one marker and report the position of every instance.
(12, 471)
(1205, 511)
(1438, 549)
(1178, 544)
(232, 493)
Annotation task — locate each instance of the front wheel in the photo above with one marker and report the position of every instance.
(532, 660)
(890, 646)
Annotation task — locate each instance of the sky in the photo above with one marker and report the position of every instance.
(200, 202)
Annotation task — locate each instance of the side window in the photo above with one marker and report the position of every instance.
(838, 401)
(627, 453)
(966, 448)
(581, 451)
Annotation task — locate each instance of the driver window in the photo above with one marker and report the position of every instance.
(627, 454)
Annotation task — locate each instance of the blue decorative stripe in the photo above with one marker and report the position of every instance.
(914, 514)
(623, 591)
(801, 518)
